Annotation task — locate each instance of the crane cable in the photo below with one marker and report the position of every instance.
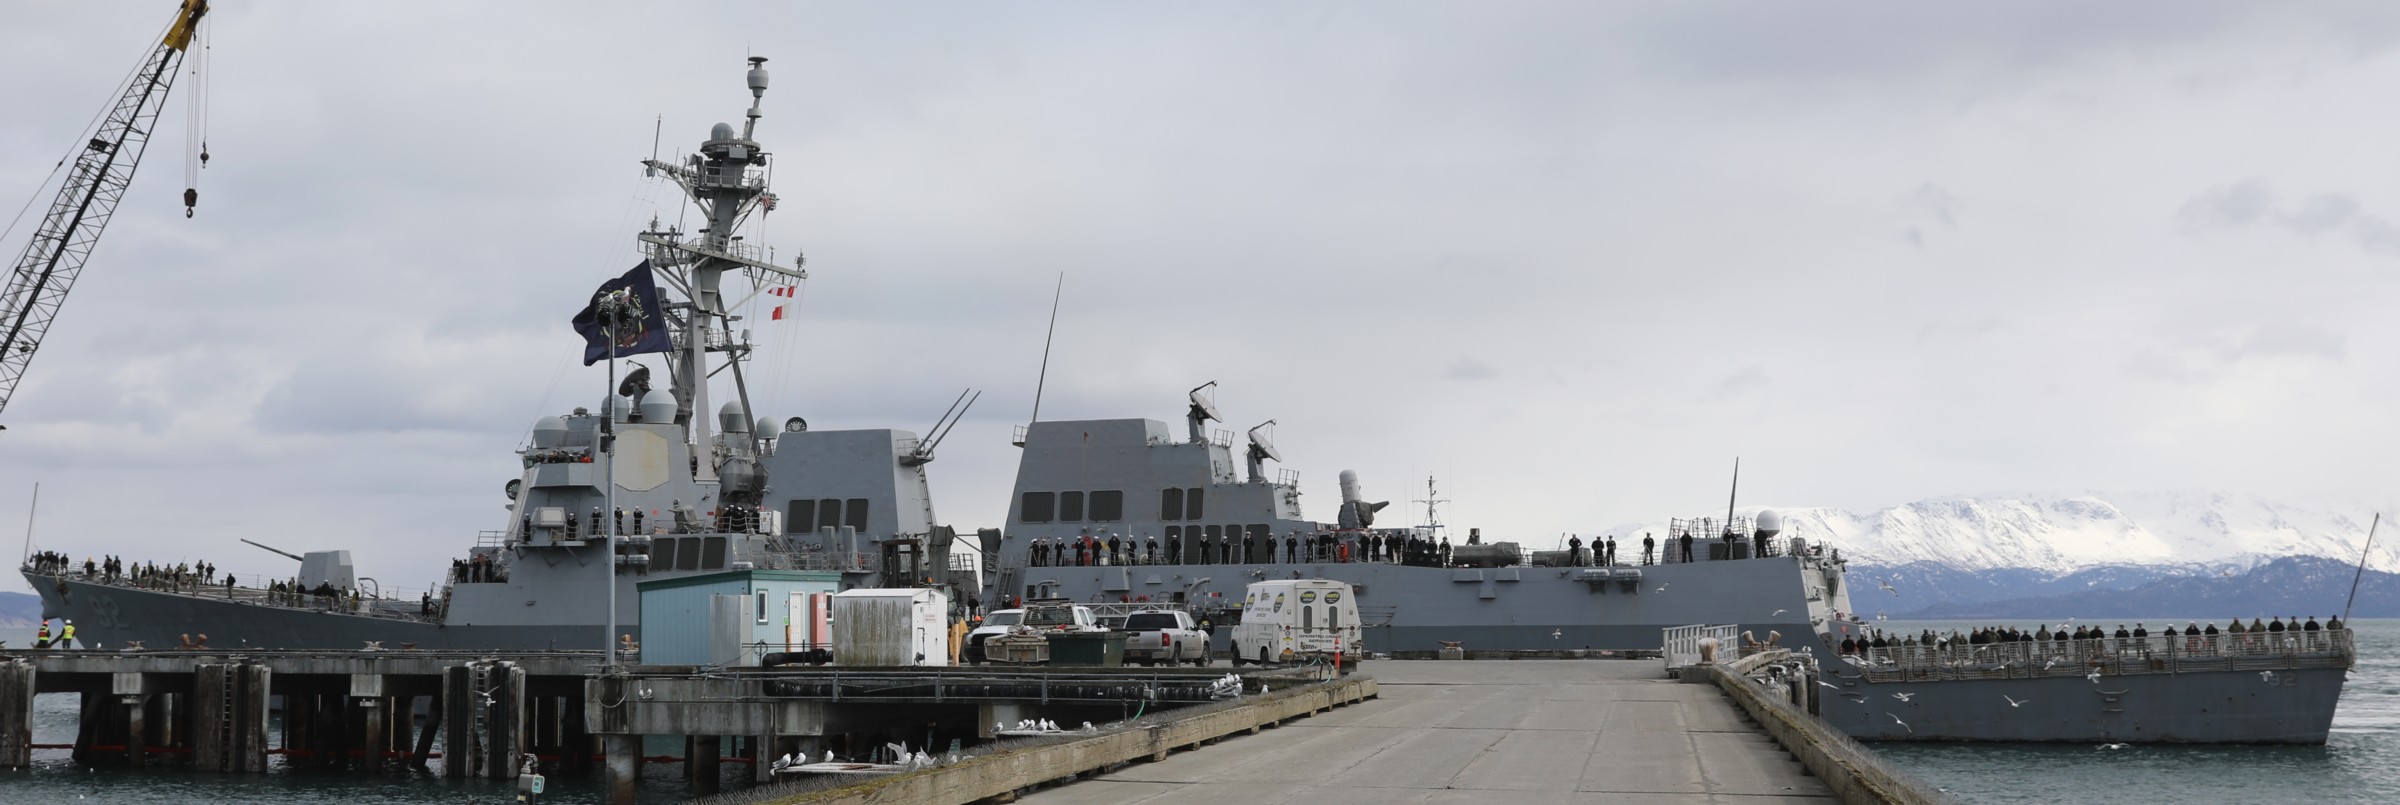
(195, 126)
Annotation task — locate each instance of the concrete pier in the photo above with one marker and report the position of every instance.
(1532, 731)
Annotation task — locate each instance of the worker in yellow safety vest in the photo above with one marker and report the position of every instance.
(66, 637)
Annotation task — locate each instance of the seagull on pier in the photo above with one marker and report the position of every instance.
(1904, 696)
(1903, 724)
(2012, 701)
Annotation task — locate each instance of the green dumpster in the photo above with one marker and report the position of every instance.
(1104, 649)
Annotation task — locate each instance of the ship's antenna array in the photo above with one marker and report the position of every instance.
(1433, 520)
(2362, 566)
(941, 427)
(1044, 377)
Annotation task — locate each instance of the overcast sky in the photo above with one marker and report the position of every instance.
(1570, 258)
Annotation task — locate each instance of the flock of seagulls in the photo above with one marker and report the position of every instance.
(1029, 725)
(1228, 686)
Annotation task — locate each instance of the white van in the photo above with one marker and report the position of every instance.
(1294, 620)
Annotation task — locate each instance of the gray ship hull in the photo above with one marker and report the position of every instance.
(110, 617)
(1408, 608)
(2193, 707)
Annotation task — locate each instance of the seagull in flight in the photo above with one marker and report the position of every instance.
(2115, 746)
(1554, 634)
(1904, 696)
(2012, 701)
(1663, 587)
(2094, 676)
(1777, 612)
(2053, 663)
(2267, 677)
(1829, 684)
(1887, 587)
(1903, 724)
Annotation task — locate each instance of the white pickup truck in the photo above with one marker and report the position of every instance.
(1164, 635)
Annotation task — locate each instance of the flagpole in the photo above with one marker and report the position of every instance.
(608, 450)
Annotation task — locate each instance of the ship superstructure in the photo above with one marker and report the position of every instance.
(696, 489)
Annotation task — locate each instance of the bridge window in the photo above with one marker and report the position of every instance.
(857, 516)
(803, 516)
(1038, 507)
(687, 554)
(829, 513)
(1213, 533)
(1170, 505)
(712, 553)
(1070, 507)
(1191, 502)
(1108, 506)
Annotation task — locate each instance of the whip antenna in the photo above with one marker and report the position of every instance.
(2362, 566)
(1044, 377)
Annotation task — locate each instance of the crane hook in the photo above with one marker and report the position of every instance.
(191, 198)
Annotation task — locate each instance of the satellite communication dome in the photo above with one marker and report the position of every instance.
(730, 419)
(721, 131)
(658, 406)
(549, 432)
(617, 409)
(1769, 523)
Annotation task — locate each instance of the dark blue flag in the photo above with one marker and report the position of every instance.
(627, 308)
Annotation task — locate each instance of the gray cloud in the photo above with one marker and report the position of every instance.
(1615, 213)
(2226, 206)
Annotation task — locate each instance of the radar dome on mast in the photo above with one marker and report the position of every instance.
(1768, 523)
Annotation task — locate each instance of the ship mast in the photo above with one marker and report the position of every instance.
(727, 181)
(1433, 519)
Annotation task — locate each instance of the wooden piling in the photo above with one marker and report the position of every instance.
(458, 721)
(16, 714)
(246, 743)
(624, 759)
(433, 727)
(703, 761)
(136, 707)
(212, 720)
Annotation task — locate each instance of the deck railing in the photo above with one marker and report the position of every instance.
(1682, 644)
(2156, 654)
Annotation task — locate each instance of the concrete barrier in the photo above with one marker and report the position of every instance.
(1001, 775)
(1851, 770)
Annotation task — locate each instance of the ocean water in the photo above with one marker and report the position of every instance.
(2360, 762)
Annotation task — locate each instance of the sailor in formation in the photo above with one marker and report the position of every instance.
(1612, 551)
(1648, 546)
(1687, 546)
(1575, 551)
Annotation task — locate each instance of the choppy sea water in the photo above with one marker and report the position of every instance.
(2360, 762)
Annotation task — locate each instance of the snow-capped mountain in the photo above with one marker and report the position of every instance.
(2059, 534)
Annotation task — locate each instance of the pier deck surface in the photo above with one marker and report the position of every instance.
(1527, 732)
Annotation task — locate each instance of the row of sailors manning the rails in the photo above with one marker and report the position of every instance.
(1233, 545)
(731, 519)
(111, 569)
(1989, 635)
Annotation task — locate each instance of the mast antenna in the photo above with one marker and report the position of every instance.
(1729, 496)
(1044, 377)
(2362, 565)
(37, 507)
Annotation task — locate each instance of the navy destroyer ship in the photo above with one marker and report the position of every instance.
(696, 490)
(1127, 510)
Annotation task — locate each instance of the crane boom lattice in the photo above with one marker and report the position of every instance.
(46, 270)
